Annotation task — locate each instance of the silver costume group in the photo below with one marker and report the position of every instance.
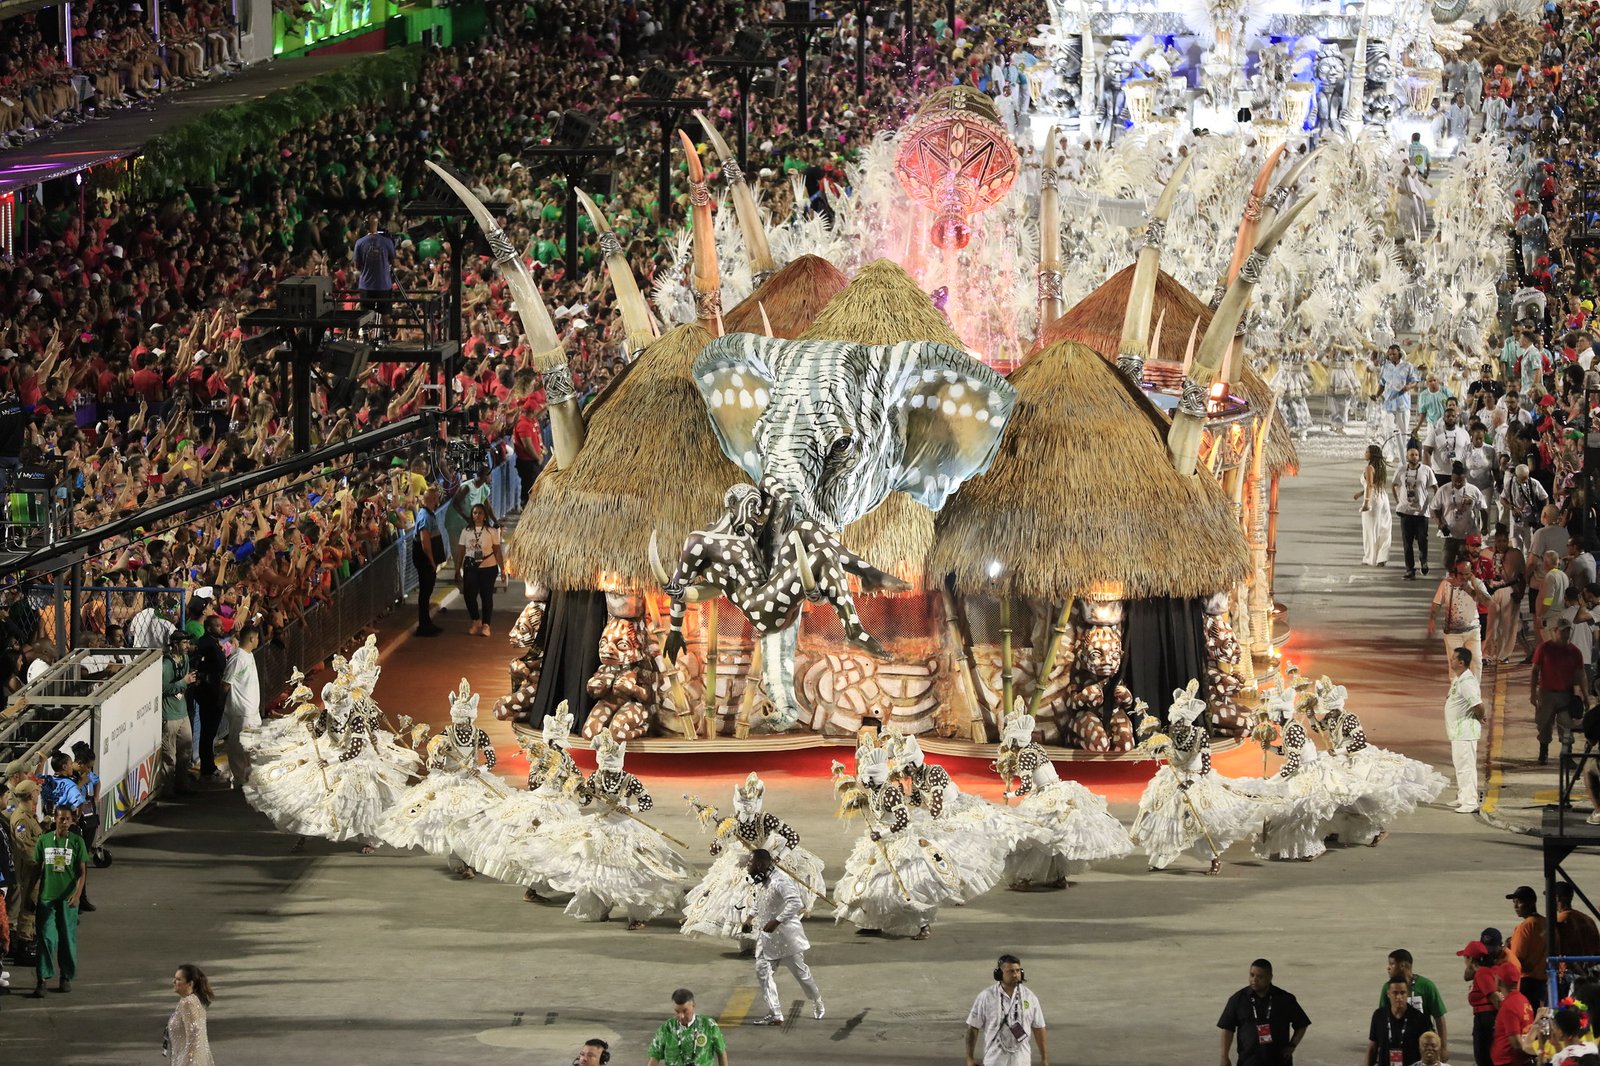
(340, 770)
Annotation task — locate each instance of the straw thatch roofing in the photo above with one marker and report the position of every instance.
(1096, 321)
(649, 461)
(883, 305)
(1083, 497)
(793, 297)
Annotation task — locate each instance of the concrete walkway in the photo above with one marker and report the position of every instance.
(328, 956)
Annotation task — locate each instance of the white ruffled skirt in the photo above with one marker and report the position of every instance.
(609, 861)
(432, 813)
(1374, 787)
(898, 884)
(1297, 810)
(977, 837)
(343, 801)
(1166, 827)
(275, 738)
(1072, 830)
(495, 840)
(719, 905)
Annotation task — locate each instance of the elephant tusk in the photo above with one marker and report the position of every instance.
(808, 580)
(766, 323)
(656, 566)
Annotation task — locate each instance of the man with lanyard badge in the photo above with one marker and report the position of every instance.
(1268, 1021)
(1397, 1028)
(1007, 1018)
(688, 1039)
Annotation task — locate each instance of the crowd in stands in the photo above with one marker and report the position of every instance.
(116, 61)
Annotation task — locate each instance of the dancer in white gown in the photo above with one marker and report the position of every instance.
(1074, 830)
(1186, 804)
(608, 859)
(341, 792)
(977, 835)
(1374, 785)
(460, 786)
(722, 903)
(276, 737)
(898, 876)
(1301, 797)
(495, 841)
(1377, 516)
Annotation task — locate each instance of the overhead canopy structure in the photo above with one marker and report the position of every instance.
(792, 298)
(1083, 498)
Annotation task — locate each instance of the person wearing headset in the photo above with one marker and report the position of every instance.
(1008, 1020)
(595, 1052)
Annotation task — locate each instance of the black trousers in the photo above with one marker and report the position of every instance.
(527, 470)
(1482, 1037)
(1414, 530)
(427, 577)
(210, 707)
(477, 588)
(1535, 989)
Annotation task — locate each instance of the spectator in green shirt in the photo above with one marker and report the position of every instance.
(177, 733)
(63, 861)
(689, 1039)
(1424, 993)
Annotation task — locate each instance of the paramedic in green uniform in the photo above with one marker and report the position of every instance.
(63, 860)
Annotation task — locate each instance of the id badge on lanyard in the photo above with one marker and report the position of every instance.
(1263, 1033)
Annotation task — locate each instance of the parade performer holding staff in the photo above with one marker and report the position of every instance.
(1300, 795)
(780, 904)
(1072, 827)
(436, 812)
(1377, 785)
(1185, 804)
(896, 878)
(611, 858)
(720, 905)
(978, 836)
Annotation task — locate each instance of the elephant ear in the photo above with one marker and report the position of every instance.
(953, 409)
(735, 377)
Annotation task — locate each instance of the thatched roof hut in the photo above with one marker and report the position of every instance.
(649, 461)
(1096, 321)
(883, 305)
(1083, 497)
(792, 296)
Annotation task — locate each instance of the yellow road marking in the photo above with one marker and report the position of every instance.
(738, 1006)
(1491, 795)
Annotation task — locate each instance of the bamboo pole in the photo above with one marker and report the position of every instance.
(1007, 684)
(1272, 540)
(710, 702)
(1048, 664)
(682, 707)
(979, 732)
(752, 688)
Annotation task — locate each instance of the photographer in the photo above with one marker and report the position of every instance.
(1007, 1018)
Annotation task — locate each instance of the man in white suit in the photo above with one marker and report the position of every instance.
(779, 905)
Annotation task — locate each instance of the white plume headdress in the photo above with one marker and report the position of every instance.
(1186, 705)
(557, 728)
(463, 703)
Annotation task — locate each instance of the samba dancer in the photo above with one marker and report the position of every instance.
(978, 836)
(1376, 785)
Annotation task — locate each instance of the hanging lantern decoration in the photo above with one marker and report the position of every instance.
(956, 158)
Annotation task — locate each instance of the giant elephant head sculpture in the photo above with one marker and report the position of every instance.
(827, 430)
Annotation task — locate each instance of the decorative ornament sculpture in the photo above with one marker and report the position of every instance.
(956, 158)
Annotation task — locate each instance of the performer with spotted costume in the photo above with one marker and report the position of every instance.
(1376, 785)
(1303, 795)
(722, 903)
(495, 842)
(1186, 804)
(897, 876)
(978, 836)
(1073, 828)
(607, 857)
(435, 812)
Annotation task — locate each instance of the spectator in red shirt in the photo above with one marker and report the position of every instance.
(1512, 1019)
(528, 444)
(1558, 688)
(1484, 996)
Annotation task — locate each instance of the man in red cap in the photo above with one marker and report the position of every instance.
(1484, 995)
(1513, 1018)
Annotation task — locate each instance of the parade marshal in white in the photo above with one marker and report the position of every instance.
(1006, 1021)
(780, 938)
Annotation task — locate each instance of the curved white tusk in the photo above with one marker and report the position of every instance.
(656, 566)
(766, 323)
(808, 580)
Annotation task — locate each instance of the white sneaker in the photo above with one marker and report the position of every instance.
(1464, 809)
(818, 1011)
(771, 1019)
(1593, 819)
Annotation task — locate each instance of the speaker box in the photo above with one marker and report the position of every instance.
(306, 297)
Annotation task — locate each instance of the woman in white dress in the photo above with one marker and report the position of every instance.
(1073, 828)
(1186, 805)
(608, 859)
(721, 904)
(1375, 785)
(495, 841)
(1302, 796)
(1377, 517)
(896, 877)
(186, 1042)
(460, 786)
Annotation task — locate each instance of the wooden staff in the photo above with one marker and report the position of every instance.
(1057, 631)
(1007, 684)
(883, 849)
(703, 810)
(752, 688)
(710, 610)
(980, 733)
(620, 809)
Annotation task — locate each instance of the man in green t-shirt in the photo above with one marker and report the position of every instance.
(1424, 993)
(689, 1039)
(63, 860)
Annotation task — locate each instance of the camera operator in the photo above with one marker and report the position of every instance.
(1007, 1019)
